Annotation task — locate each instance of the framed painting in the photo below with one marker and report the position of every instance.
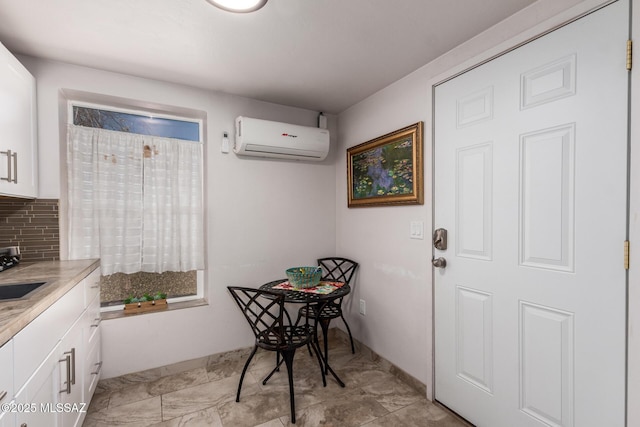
(387, 170)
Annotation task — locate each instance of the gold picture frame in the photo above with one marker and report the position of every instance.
(387, 170)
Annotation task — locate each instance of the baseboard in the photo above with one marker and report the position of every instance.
(241, 354)
(419, 386)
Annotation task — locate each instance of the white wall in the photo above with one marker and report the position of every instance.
(262, 216)
(395, 277)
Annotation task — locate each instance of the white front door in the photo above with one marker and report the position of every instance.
(530, 180)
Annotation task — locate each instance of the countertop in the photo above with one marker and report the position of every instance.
(60, 276)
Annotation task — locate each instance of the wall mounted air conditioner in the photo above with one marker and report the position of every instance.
(255, 137)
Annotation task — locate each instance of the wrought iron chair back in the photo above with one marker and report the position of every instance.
(335, 269)
(273, 330)
(264, 311)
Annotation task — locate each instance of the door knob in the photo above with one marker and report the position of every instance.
(439, 262)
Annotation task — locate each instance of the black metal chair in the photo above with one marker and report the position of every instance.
(337, 270)
(274, 331)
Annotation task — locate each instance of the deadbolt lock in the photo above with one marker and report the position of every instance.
(440, 239)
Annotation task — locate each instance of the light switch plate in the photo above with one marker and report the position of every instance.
(417, 230)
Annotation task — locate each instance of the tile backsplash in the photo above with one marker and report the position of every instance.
(32, 225)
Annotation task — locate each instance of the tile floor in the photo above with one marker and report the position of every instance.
(202, 393)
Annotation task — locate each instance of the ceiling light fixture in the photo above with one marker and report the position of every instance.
(238, 6)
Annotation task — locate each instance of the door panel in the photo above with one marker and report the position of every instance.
(530, 180)
(546, 364)
(474, 216)
(474, 337)
(547, 182)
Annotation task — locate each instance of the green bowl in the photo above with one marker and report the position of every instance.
(304, 277)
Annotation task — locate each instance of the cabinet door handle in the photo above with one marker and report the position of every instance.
(67, 360)
(97, 371)
(98, 321)
(9, 155)
(3, 394)
(15, 168)
(73, 366)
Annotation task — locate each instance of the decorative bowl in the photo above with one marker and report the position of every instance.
(304, 277)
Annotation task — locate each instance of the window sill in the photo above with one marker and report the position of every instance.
(119, 314)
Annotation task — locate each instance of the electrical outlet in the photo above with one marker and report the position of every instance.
(363, 307)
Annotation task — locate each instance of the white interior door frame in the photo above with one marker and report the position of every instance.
(633, 309)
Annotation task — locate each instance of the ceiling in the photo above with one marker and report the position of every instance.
(322, 55)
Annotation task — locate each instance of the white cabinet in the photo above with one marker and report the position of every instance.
(49, 395)
(71, 378)
(92, 369)
(57, 360)
(6, 382)
(6, 375)
(7, 419)
(92, 334)
(18, 140)
(93, 359)
(40, 390)
(35, 341)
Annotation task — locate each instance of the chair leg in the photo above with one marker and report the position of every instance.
(324, 324)
(316, 350)
(288, 360)
(244, 371)
(297, 323)
(353, 349)
(276, 369)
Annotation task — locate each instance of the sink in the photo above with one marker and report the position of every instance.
(18, 290)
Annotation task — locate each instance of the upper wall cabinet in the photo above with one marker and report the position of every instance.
(18, 140)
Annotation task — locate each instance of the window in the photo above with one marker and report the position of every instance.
(136, 123)
(135, 199)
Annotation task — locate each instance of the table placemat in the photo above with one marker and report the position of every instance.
(322, 288)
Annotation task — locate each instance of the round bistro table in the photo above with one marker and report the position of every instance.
(301, 297)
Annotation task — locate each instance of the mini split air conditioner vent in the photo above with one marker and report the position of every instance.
(255, 137)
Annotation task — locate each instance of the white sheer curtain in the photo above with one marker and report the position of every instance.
(172, 226)
(135, 201)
